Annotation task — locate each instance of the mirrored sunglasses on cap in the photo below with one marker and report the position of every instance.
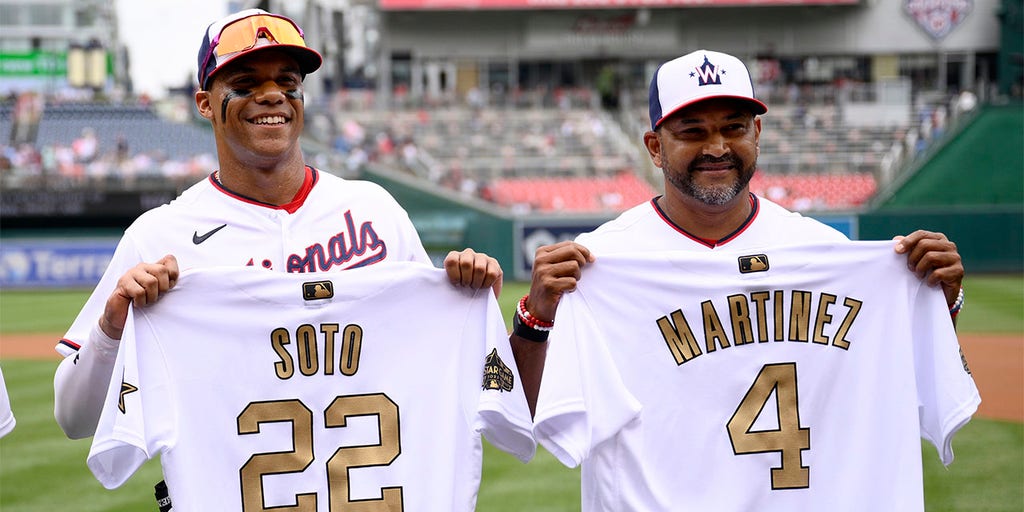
(244, 34)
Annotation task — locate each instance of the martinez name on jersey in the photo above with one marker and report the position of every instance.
(761, 316)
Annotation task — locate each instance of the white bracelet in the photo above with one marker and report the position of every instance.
(958, 304)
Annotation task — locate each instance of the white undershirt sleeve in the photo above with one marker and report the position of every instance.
(80, 384)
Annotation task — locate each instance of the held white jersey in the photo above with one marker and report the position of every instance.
(334, 224)
(800, 378)
(266, 389)
(646, 227)
(7, 420)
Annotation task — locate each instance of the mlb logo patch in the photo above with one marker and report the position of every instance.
(753, 263)
(938, 17)
(317, 290)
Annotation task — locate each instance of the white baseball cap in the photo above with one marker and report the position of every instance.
(699, 76)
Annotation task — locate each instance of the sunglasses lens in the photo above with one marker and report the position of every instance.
(242, 34)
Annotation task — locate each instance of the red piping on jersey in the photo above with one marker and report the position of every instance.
(755, 207)
(312, 176)
(69, 343)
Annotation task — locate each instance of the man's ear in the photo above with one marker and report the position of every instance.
(653, 145)
(203, 104)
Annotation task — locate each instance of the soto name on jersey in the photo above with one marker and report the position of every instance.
(763, 316)
(348, 340)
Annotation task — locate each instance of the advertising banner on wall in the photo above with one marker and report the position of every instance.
(48, 263)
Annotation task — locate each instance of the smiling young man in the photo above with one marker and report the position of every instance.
(714, 351)
(263, 207)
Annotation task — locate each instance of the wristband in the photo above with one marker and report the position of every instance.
(527, 332)
(529, 319)
(954, 310)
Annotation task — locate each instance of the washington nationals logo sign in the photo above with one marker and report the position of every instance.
(938, 17)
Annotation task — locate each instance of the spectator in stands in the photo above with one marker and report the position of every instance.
(705, 134)
(263, 192)
(966, 101)
(86, 147)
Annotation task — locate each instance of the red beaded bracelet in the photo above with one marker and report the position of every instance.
(530, 320)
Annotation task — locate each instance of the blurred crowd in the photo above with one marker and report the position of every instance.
(466, 144)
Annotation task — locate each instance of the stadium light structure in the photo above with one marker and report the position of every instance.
(87, 65)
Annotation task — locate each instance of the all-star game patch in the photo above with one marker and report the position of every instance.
(496, 374)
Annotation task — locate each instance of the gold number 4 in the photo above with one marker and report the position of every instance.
(301, 455)
(789, 439)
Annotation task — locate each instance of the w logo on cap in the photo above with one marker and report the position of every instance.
(673, 86)
(708, 73)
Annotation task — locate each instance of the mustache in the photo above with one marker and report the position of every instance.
(732, 159)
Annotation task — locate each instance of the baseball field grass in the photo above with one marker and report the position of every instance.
(42, 471)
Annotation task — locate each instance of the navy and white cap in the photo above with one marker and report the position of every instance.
(699, 76)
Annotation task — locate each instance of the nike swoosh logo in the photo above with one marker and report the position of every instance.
(198, 239)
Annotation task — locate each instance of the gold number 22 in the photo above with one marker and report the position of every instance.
(301, 456)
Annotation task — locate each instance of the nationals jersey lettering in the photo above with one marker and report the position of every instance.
(362, 243)
(260, 390)
(820, 318)
(691, 385)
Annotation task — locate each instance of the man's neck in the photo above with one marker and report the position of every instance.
(275, 183)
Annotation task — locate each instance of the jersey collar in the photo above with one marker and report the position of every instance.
(312, 176)
(755, 206)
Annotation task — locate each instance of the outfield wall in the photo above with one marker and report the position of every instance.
(989, 240)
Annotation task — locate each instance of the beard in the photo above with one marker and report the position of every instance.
(712, 195)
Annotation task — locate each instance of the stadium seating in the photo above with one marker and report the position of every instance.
(140, 125)
(818, 192)
(523, 154)
(572, 194)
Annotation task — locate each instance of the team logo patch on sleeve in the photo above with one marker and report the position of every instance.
(316, 290)
(496, 374)
(753, 263)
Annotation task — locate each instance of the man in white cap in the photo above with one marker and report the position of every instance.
(655, 434)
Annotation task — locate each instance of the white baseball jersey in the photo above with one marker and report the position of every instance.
(265, 389)
(333, 224)
(7, 420)
(799, 378)
(646, 228)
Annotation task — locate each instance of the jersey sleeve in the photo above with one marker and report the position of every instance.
(125, 257)
(7, 420)
(503, 411)
(136, 416)
(947, 394)
(583, 401)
